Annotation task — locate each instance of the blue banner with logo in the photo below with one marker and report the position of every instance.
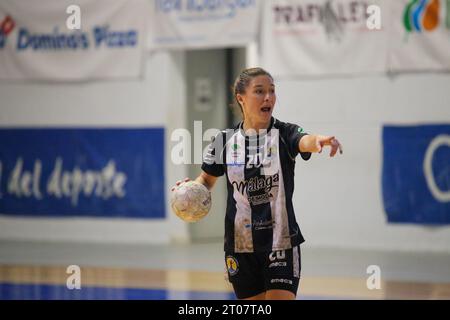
(82, 172)
(416, 174)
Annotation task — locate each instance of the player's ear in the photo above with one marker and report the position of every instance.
(240, 99)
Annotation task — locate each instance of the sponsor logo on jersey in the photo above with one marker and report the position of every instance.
(277, 264)
(260, 199)
(272, 152)
(281, 281)
(258, 189)
(262, 225)
(256, 184)
(235, 153)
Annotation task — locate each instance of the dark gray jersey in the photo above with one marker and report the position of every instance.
(260, 183)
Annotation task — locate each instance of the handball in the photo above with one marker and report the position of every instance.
(190, 201)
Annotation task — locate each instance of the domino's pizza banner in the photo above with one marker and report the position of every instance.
(82, 172)
(40, 40)
(416, 174)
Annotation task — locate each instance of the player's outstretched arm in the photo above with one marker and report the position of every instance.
(207, 180)
(315, 143)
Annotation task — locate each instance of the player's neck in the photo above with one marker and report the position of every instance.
(250, 126)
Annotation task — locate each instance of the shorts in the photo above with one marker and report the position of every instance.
(254, 273)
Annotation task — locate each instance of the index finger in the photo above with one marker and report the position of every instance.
(328, 139)
(341, 150)
(335, 146)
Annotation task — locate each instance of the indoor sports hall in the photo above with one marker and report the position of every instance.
(106, 104)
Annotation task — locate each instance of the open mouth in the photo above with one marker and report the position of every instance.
(266, 109)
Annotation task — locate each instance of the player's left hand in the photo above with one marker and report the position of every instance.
(322, 141)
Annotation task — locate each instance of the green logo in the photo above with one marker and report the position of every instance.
(300, 130)
(235, 147)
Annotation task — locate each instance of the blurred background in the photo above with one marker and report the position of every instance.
(105, 104)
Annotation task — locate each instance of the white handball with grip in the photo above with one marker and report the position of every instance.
(190, 201)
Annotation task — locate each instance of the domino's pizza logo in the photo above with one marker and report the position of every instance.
(6, 26)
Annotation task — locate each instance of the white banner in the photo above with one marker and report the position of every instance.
(324, 37)
(184, 24)
(58, 41)
(420, 37)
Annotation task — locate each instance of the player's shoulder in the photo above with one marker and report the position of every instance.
(287, 127)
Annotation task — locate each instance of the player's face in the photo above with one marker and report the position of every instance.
(259, 99)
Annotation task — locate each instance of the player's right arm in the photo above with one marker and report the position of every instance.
(205, 179)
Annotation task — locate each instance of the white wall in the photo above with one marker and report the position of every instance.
(157, 99)
(338, 201)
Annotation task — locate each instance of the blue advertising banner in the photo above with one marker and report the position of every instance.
(416, 174)
(82, 172)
